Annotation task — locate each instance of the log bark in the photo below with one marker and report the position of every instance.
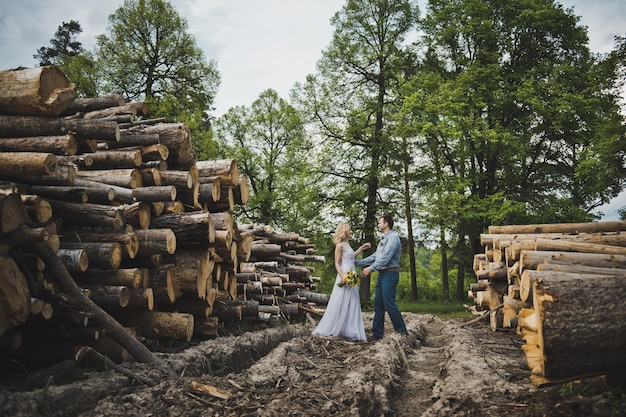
(177, 138)
(574, 246)
(155, 241)
(84, 105)
(178, 178)
(531, 259)
(128, 277)
(23, 126)
(57, 145)
(74, 296)
(163, 325)
(18, 164)
(70, 194)
(109, 295)
(12, 213)
(127, 178)
(116, 159)
(155, 193)
(581, 326)
(227, 168)
(241, 191)
(123, 109)
(194, 229)
(128, 240)
(104, 255)
(41, 91)
(137, 214)
(592, 227)
(88, 214)
(14, 295)
(74, 259)
(581, 269)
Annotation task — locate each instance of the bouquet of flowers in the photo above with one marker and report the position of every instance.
(350, 278)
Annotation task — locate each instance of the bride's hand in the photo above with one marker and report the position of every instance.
(366, 246)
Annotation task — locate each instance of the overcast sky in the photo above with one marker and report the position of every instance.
(257, 44)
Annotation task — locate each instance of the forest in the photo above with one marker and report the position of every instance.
(453, 118)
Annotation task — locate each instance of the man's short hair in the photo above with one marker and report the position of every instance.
(389, 219)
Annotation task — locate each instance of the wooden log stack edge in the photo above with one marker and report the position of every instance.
(562, 288)
(144, 230)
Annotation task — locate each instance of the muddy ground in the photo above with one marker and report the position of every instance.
(444, 368)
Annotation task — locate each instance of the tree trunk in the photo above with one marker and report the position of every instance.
(41, 91)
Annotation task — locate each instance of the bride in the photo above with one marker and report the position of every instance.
(343, 313)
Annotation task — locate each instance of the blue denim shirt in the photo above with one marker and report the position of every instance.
(387, 253)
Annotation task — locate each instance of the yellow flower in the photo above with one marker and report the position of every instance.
(350, 278)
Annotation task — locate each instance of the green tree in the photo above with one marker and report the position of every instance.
(269, 142)
(64, 44)
(350, 100)
(67, 54)
(149, 55)
(514, 114)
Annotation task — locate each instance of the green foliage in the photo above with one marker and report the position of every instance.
(149, 55)
(269, 142)
(81, 70)
(64, 44)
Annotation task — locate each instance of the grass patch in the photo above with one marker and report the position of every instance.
(436, 308)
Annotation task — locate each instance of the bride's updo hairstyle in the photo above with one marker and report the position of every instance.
(341, 232)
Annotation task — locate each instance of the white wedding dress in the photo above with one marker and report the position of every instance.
(343, 313)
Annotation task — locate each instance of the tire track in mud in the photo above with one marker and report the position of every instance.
(425, 359)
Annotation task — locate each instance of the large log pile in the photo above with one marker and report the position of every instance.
(563, 288)
(107, 218)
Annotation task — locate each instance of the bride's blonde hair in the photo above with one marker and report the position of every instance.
(341, 232)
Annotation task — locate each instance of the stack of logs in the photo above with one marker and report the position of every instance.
(144, 229)
(563, 288)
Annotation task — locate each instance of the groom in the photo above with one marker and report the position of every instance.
(386, 260)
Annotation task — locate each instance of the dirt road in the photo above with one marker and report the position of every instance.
(443, 369)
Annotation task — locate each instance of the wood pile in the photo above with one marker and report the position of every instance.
(142, 229)
(563, 288)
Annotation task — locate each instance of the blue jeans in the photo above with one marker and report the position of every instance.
(385, 300)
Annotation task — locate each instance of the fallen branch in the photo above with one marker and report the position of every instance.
(88, 351)
(482, 316)
(76, 297)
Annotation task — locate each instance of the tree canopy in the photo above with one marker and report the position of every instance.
(149, 55)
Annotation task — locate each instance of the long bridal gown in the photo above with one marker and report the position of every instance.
(343, 313)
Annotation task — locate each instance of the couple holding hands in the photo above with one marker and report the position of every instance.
(343, 313)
